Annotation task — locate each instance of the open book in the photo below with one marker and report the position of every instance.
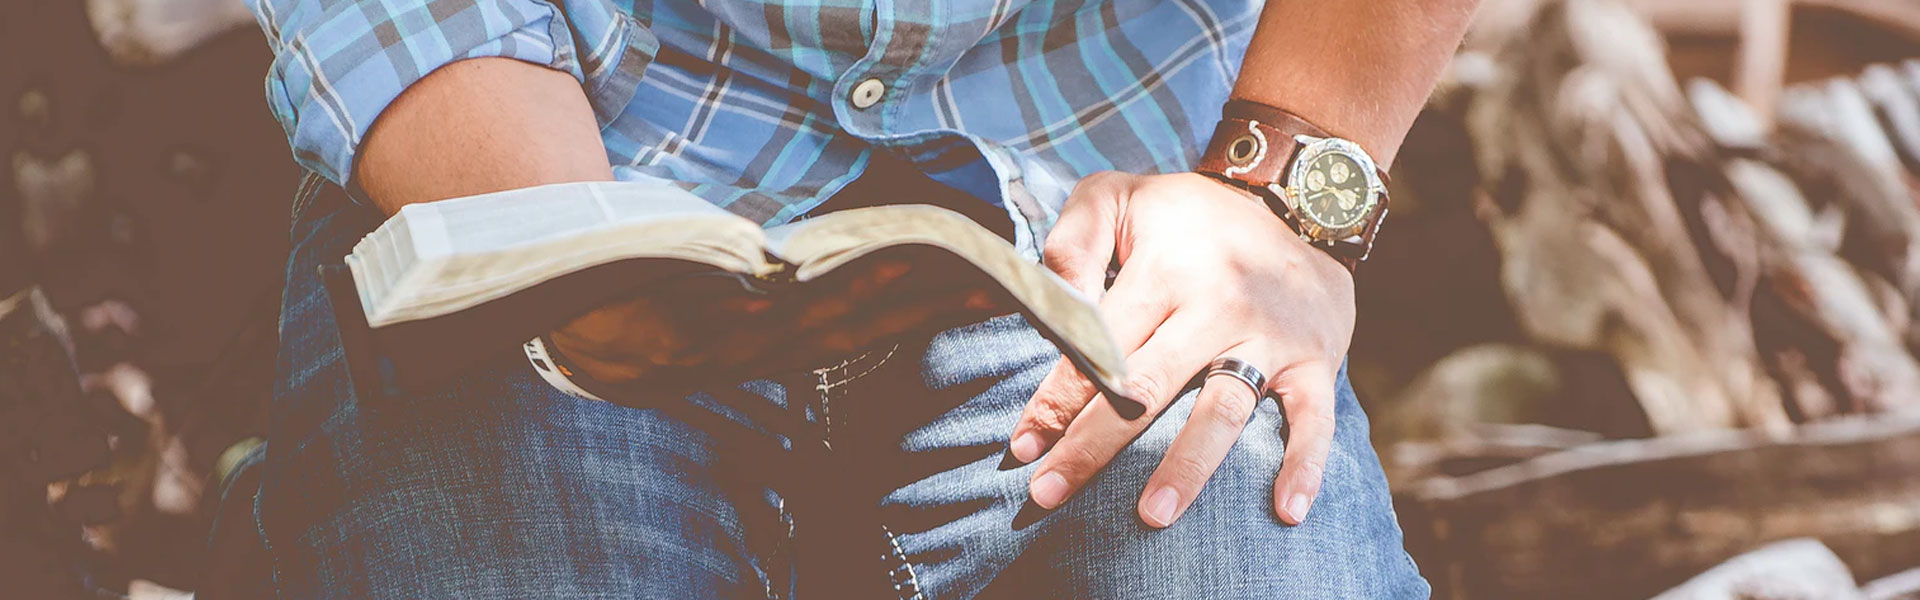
(442, 283)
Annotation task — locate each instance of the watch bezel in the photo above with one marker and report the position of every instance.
(1311, 149)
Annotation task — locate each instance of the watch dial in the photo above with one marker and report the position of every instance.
(1335, 191)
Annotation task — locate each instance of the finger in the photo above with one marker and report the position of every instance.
(838, 303)
(603, 370)
(635, 331)
(606, 327)
(743, 304)
(1156, 373)
(1219, 415)
(1133, 309)
(1306, 392)
(949, 308)
(1080, 245)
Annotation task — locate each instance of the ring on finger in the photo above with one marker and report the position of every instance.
(1241, 370)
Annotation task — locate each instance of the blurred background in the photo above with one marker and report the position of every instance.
(1642, 324)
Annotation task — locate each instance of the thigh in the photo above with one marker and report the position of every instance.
(496, 487)
(965, 528)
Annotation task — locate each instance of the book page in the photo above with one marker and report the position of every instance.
(440, 257)
(491, 222)
(822, 244)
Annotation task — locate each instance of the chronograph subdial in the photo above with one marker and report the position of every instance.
(1335, 192)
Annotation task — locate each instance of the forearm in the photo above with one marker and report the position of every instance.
(479, 126)
(1360, 69)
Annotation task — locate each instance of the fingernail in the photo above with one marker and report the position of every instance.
(1026, 447)
(1160, 505)
(1297, 506)
(1049, 490)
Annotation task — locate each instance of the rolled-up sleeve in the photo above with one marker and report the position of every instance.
(339, 63)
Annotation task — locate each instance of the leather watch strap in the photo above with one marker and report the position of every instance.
(1254, 143)
(1253, 147)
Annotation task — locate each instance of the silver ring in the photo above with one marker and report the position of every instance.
(1241, 370)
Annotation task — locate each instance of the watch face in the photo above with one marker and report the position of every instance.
(1334, 186)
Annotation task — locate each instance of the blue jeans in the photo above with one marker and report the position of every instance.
(887, 468)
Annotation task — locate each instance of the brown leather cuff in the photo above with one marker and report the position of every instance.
(1253, 147)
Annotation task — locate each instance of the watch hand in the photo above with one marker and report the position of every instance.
(1321, 198)
(1347, 199)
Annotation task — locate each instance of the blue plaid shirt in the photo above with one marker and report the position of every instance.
(767, 107)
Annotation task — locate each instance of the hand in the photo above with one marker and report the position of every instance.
(1205, 271)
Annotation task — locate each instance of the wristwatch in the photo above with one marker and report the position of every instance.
(1326, 188)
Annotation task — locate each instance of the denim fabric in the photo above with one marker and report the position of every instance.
(499, 486)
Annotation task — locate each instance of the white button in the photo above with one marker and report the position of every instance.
(868, 93)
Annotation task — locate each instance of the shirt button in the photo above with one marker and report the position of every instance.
(868, 93)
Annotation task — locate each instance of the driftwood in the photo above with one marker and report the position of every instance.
(1628, 519)
(1575, 137)
(1484, 447)
(1722, 17)
(1904, 585)
(1741, 272)
(1764, 26)
(1754, 277)
(1800, 569)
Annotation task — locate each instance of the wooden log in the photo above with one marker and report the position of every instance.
(1627, 519)
(1484, 383)
(1726, 118)
(1478, 448)
(1893, 100)
(1904, 585)
(1598, 252)
(1870, 363)
(1832, 139)
(1898, 16)
(1722, 17)
(1796, 569)
(1764, 28)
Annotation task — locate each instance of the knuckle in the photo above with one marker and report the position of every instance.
(1062, 257)
(1310, 471)
(1058, 400)
(1302, 405)
(1085, 189)
(1102, 178)
(1187, 471)
(1322, 421)
(1231, 410)
(1148, 385)
(1076, 462)
(1048, 416)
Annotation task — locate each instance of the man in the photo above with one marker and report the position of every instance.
(969, 463)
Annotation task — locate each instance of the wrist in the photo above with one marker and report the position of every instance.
(1326, 189)
(1254, 195)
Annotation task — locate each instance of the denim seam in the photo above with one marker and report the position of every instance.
(260, 529)
(823, 371)
(868, 371)
(912, 580)
(825, 390)
(772, 560)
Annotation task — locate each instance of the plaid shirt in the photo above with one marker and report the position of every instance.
(767, 107)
